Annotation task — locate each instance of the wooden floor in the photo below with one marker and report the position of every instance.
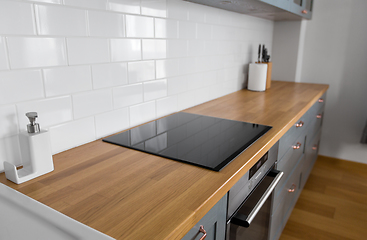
(333, 204)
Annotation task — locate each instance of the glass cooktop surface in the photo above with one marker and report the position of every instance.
(203, 141)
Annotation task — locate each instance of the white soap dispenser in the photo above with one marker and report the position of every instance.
(35, 149)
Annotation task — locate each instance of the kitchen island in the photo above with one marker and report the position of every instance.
(128, 194)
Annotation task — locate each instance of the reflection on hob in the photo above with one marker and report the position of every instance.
(200, 140)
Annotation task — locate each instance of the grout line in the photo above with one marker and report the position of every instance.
(91, 77)
(86, 15)
(7, 53)
(124, 25)
(36, 20)
(66, 51)
(43, 83)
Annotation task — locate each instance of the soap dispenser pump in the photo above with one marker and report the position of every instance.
(35, 149)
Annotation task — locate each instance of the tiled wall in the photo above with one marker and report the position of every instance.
(94, 67)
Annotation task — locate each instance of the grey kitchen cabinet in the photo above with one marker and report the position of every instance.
(302, 8)
(298, 149)
(214, 223)
(283, 4)
(277, 10)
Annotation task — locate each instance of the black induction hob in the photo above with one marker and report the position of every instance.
(203, 141)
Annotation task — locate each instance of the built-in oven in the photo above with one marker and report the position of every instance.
(250, 200)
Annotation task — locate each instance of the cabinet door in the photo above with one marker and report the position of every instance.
(214, 223)
(312, 148)
(284, 202)
(271, 2)
(283, 4)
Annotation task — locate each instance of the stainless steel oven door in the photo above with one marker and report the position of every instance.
(252, 218)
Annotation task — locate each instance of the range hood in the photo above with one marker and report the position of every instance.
(255, 8)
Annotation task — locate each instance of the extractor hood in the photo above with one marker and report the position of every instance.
(255, 8)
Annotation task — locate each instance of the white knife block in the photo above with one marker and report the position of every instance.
(257, 77)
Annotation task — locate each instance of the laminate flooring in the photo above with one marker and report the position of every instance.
(333, 203)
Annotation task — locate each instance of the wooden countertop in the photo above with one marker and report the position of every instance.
(128, 194)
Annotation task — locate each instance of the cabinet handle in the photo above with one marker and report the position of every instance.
(293, 188)
(202, 230)
(300, 124)
(319, 116)
(321, 100)
(314, 147)
(297, 146)
(304, 11)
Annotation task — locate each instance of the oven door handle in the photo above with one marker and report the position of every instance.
(245, 221)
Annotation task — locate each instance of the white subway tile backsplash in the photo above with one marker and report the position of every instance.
(127, 6)
(166, 28)
(125, 49)
(17, 18)
(56, 20)
(96, 4)
(72, 134)
(204, 31)
(66, 80)
(195, 81)
(109, 75)
(196, 47)
(213, 48)
(155, 89)
(9, 121)
(176, 48)
(46, 1)
(202, 95)
(166, 106)
(191, 54)
(203, 63)
(142, 113)
(186, 30)
(156, 8)
(18, 86)
(51, 111)
(111, 122)
(154, 49)
(27, 52)
(10, 151)
(212, 16)
(167, 68)
(210, 78)
(3, 55)
(217, 63)
(177, 85)
(127, 95)
(141, 71)
(92, 103)
(197, 13)
(188, 65)
(106, 24)
(141, 27)
(215, 91)
(87, 50)
(177, 9)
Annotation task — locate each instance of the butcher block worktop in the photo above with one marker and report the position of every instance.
(129, 194)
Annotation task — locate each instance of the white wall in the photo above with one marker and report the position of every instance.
(335, 53)
(285, 54)
(91, 68)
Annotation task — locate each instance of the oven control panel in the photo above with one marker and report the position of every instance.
(248, 182)
(258, 165)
